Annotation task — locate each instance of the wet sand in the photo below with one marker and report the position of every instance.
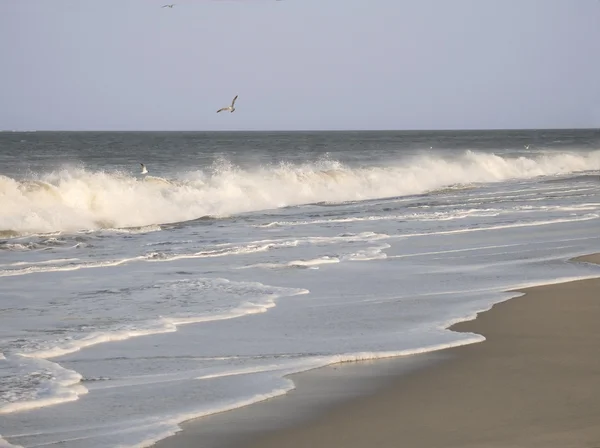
(534, 382)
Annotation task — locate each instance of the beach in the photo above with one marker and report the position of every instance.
(534, 382)
(227, 295)
(296, 224)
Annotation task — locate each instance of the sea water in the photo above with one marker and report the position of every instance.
(131, 302)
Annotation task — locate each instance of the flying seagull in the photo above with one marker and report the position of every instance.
(229, 108)
(168, 6)
(144, 170)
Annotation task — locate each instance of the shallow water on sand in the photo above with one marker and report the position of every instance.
(129, 302)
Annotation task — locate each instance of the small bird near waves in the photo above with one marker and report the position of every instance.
(144, 170)
(229, 108)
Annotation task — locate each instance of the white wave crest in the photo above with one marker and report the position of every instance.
(76, 199)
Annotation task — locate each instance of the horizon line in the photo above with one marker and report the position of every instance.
(304, 130)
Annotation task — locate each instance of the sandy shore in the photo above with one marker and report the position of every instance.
(534, 382)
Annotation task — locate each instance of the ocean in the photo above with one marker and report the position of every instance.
(132, 302)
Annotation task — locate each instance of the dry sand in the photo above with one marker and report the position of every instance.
(534, 382)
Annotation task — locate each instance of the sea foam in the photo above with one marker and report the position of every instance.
(30, 380)
(75, 199)
(41, 383)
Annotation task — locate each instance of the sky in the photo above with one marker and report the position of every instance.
(299, 64)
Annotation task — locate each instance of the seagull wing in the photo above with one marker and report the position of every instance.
(233, 102)
(222, 109)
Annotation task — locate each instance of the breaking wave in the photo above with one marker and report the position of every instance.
(78, 199)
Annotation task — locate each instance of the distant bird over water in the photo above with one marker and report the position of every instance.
(229, 108)
(168, 6)
(144, 170)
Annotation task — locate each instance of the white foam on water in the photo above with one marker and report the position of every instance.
(438, 216)
(555, 208)
(248, 248)
(34, 263)
(263, 298)
(39, 383)
(33, 382)
(74, 345)
(267, 245)
(76, 199)
(144, 432)
(312, 362)
(546, 222)
(136, 230)
(69, 267)
(169, 243)
(452, 251)
(171, 424)
(386, 290)
(242, 371)
(303, 264)
(246, 308)
(15, 247)
(228, 250)
(369, 254)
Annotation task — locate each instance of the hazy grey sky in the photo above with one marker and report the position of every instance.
(299, 64)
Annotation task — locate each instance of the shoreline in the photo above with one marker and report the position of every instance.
(530, 383)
